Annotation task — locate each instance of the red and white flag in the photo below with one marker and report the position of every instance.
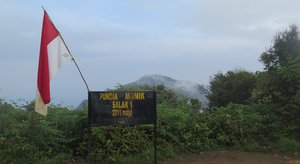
(53, 53)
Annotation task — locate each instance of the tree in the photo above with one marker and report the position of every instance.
(281, 81)
(279, 85)
(286, 46)
(196, 104)
(233, 87)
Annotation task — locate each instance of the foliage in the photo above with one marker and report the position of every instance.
(232, 87)
(288, 145)
(62, 134)
(282, 64)
(279, 85)
(31, 137)
(236, 125)
(196, 104)
(253, 112)
(109, 142)
(286, 45)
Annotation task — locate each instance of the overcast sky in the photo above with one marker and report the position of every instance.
(118, 41)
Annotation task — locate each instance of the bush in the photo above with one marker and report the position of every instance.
(288, 145)
(26, 137)
(235, 125)
(253, 147)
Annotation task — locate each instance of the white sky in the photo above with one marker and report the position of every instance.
(120, 41)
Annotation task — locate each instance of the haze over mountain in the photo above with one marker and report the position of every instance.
(187, 88)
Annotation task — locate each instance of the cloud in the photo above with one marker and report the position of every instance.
(271, 25)
(119, 41)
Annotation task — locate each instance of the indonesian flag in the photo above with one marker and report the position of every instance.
(53, 53)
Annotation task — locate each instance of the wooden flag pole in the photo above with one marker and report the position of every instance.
(86, 85)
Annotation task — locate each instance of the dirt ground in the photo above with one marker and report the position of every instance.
(233, 157)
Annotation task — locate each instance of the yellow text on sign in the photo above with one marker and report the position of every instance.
(121, 104)
(122, 113)
(134, 96)
(109, 96)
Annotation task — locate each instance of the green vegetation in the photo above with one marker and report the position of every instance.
(248, 111)
(232, 87)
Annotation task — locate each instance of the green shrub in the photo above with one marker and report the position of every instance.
(253, 147)
(26, 137)
(235, 125)
(288, 145)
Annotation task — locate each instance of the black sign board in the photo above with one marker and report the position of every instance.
(122, 107)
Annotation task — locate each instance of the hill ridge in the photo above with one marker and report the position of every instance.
(187, 88)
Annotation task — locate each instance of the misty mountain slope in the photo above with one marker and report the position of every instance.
(186, 88)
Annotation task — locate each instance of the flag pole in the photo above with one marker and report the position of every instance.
(86, 85)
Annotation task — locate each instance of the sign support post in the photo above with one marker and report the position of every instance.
(155, 132)
(89, 128)
(155, 142)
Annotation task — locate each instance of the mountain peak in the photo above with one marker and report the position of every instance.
(154, 79)
(187, 88)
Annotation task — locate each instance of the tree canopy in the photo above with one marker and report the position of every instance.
(286, 47)
(231, 87)
(281, 81)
